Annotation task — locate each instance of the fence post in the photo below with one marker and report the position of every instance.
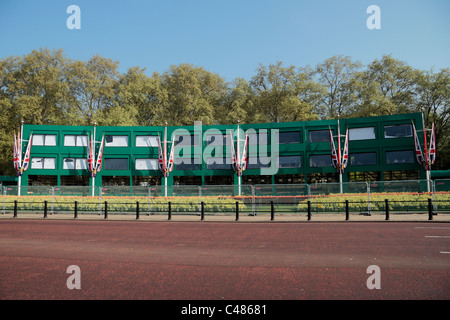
(272, 211)
(169, 211)
(386, 201)
(45, 209)
(430, 209)
(106, 209)
(237, 210)
(202, 211)
(309, 210)
(76, 210)
(137, 210)
(346, 210)
(15, 209)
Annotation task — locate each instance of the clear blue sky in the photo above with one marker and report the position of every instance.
(230, 37)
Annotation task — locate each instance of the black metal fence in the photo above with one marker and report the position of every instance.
(270, 208)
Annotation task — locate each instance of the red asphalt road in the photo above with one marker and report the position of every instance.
(215, 261)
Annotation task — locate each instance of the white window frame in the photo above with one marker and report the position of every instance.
(47, 163)
(146, 164)
(119, 140)
(45, 140)
(355, 134)
(78, 140)
(79, 164)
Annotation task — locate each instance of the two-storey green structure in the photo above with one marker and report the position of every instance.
(380, 148)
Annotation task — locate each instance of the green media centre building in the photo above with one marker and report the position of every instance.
(380, 148)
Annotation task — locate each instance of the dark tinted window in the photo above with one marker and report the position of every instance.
(319, 136)
(363, 159)
(290, 137)
(394, 157)
(289, 161)
(116, 164)
(320, 160)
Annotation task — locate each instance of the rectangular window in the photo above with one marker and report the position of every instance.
(186, 140)
(75, 140)
(256, 138)
(361, 133)
(319, 136)
(44, 140)
(43, 163)
(187, 164)
(398, 131)
(75, 163)
(258, 162)
(116, 141)
(289, 162)
(363, 159)
(217, 140)
(398, 157)
(216, 164)
(146, 164)
(289, 137)
(320, 160)
(147, 141)
(116, 164)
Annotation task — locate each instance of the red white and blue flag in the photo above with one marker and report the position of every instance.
(98, 165)
(165, 164)
(16, 153)
(233, 153)
(344, 161)
(432, 153)
(418, 148)
(26, 159)
(19, 165)
(334, 156)
(244, 155)
(239, 161)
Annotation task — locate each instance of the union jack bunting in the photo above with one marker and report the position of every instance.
(233, 153)
(239, 161)
(165, 164)
(334, 157)
(344, 161)
(98, 165)
(21, 165)
(432, 154)
(418, 148)
(16, 152)
(26, 159)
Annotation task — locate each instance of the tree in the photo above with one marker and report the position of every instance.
(191, 94)
(238, 104)
(137, 98)
(336, 75)
(278, 94)
(91, 85)
(386, 87)
(433, 98)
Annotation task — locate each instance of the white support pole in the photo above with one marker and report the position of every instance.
(165, 186)
(339, 155)
(19, 181)
(238, 160)
(428, 180)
